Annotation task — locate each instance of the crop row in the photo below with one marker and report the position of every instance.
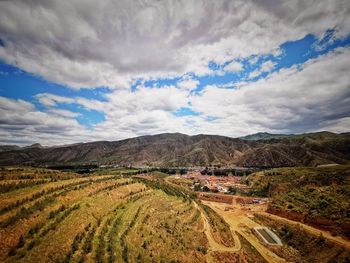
(55, 217)
(109, 187)
(75, 245)
(106, 238)
(37, 195)
(87, 244)
(169, 190)
(41, 229)
(53, 177)
(8, 187)
(25, 212)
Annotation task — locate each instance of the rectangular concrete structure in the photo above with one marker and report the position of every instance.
(268, 236)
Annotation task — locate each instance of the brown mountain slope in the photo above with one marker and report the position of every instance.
(200, 150)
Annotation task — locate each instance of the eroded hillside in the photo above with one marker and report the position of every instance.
(169, 150)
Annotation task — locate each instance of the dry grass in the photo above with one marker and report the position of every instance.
(95, 219)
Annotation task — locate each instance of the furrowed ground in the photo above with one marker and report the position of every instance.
(117, 215)
(51, 216)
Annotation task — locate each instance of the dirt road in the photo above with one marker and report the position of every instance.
(336, 239)
(240, 222)
(213, 245)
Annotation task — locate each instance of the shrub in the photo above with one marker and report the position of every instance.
(202, 249)
(125, 253)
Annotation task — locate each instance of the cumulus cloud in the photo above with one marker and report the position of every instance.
(314, 98)
(119, 44)
(127, 114)
(233, 66)
(188, 83)
(64, 113)
(110, 43)
(167, 98)
(266, 66)
(21, 123)
(15, 105)
(254, 74)
(51, 99)
(144, 111)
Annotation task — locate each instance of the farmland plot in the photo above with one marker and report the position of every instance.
(98, 218)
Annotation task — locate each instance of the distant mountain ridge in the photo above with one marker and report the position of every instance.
(268, 136)
(176, 149)
(264, 136)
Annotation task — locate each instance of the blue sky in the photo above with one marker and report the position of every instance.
(18, 84)
(195, 84)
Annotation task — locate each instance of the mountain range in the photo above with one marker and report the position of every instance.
(180, 150)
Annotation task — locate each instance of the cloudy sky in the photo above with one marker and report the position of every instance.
(86, 70)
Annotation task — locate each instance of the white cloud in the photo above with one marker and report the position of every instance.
(188, 83)
(21, 123)
(145, 111)
(64, 113)
(127, 114)
(339, 126)
(288, 101)
(15, 105)
(267, 66)
(50, 100)
(254, 74)
(166, 98)
(111, 43)
(315, 98)
(234, 66)
(115, 43)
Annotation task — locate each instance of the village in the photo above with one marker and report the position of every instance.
(217, 184)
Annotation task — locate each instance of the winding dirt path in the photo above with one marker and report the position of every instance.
(312, 230)
(213, 245)
(239, 222)
(238, 218)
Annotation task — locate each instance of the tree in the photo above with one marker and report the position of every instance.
(232, 190)
(197, 187)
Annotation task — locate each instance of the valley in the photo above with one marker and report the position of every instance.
(122, 216)
(187, 131)
(181, 150)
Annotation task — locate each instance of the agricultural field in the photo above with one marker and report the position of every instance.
(51, 216)
(122, 215)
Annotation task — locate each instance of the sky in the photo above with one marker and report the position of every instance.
(85, 70)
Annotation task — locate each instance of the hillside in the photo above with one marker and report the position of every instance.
(50, 216)
(263, 136)
(119, 215)
(316, 196)
(177, 149)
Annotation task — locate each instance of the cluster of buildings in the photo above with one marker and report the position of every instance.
(222, 184)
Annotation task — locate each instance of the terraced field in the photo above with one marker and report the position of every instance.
(97, 218)
(120, 216)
